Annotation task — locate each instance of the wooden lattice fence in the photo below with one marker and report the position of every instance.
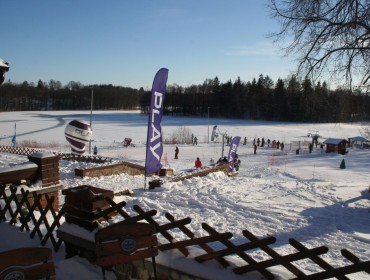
(16, 209)
(24, 151)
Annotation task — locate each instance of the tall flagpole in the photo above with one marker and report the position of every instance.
(208, 127)
(91, 109)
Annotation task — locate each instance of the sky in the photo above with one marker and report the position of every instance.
(125, 43)
(305, 196)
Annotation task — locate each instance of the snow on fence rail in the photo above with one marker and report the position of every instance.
(64, 156)
(17, 209)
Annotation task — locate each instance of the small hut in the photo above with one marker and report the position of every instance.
(336, 145)
(359, 142)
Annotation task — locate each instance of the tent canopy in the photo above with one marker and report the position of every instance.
(359, 139)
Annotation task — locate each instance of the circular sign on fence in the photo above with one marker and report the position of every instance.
(128, 245)
(15, 275)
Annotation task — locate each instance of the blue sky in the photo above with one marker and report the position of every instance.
(125, 43)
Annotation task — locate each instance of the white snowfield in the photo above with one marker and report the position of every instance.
(304, 196)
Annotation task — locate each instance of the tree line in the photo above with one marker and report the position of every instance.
(290, 99)
(73, 96)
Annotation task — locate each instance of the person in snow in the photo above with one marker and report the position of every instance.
(95, 150)
(198, 163)
(236, 164)
(177, 152)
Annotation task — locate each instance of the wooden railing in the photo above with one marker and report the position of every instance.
(65, 156)
(27, 263)
(23, 215)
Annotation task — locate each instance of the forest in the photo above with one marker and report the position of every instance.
(291, 99)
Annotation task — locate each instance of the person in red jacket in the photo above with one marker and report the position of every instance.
(198, 163)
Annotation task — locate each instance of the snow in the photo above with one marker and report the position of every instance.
(18, 167)
(304, 196)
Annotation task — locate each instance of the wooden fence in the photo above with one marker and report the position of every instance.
(65, 156)
(18, 211)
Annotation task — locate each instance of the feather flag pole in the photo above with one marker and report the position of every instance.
(154, 146)
(232, 152)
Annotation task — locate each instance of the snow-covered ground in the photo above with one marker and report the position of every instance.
(305, 196)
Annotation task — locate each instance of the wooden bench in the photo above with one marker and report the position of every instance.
(123, 242)
(27, 263)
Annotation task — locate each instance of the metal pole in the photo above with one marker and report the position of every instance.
(223, 144)
(208, 127)
(91, 108)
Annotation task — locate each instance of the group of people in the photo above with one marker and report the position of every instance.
(198, 163)
(261, 143)
(235, 163)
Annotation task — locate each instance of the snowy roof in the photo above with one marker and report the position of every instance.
(334, 141)
(359, 139)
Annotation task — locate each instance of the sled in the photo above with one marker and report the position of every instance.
(232, 174)
(128, 142)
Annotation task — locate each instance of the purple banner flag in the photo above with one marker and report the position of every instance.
(154, 147)
(232, 152)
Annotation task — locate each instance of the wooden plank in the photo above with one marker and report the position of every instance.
(272, 253)
(242, 255)
(33, 262)
(115, 231)
(237, 249)
(108, 247)
(125, 242)
(164, 233)
(316, 259)
(121, 259)
(340, 271)
(353, 258)
(281, 260)
(196, 241)
(37, 271)
(181, 225)
(15, 175)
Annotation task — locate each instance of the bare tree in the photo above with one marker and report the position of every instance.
(4, 67)
(330, 37)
